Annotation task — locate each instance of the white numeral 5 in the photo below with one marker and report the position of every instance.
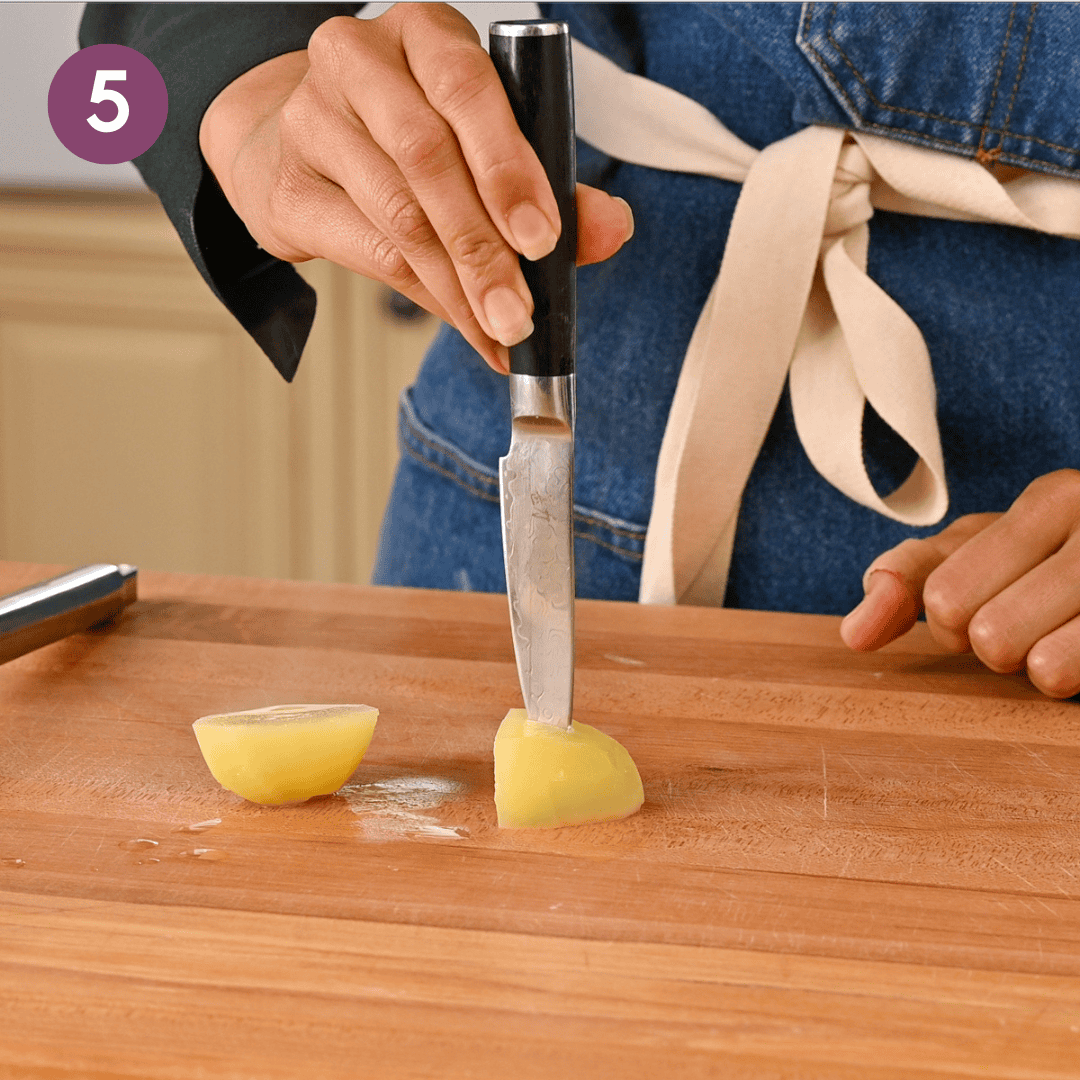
(102, 93)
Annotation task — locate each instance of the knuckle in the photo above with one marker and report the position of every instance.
(441, 18)
(908, 553)
(388, 263)
(1041, 489)
(909, 560)
(1052, 673)
(423, 146)
(436, 14)
(942, 603)
(284, 227)
(417, 12)
(991, 643)
(461, 75)
(405, 221)
(298, 113)
(475, 250)
(1052, 490)
(962, 529)
(1067, 483)
(285, 196)
(333, 41)
(497, 171)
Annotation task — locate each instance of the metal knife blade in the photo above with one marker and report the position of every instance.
(50, 610)
(536, 489)
(536, 478)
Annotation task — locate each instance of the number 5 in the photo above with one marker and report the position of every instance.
(101, 93)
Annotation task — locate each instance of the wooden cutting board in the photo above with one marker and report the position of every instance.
(846, 866)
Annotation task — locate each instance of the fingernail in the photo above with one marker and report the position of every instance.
(629, 217)
(507, 315)
(532, 231)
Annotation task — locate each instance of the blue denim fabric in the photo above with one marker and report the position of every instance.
(988, 85)
(999, 307)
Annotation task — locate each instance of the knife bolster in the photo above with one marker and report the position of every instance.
(545, 398)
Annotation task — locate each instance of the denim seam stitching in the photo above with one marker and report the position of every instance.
(870, 94)
(459, 461)
(1019, 71)
(997, 82)
(603, 521)
(412, 421)
(630, 534)
(1030, 138)
(918, 136)
(450, 475)
(1006, 156)
(827, 71)
(412, 425)
(579, 514)
(637, 556)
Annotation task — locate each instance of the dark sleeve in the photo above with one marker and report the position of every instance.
(199, 49)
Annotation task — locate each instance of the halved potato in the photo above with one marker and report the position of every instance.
(286, 753)
(546, 777)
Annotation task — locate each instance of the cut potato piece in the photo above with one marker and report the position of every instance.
(546, 777)
(286, 753)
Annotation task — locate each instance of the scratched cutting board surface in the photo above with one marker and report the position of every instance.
(845, 865)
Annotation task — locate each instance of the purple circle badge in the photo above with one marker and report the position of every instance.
(108, 104)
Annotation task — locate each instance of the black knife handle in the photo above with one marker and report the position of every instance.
(533, 61)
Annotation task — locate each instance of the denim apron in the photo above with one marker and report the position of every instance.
(996, 306)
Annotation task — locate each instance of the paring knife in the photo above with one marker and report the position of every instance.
(52, 609)
(536, 478)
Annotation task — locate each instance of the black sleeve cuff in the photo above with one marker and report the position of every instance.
(199, 49)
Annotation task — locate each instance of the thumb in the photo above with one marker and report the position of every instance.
(605, 223)
(893, 584)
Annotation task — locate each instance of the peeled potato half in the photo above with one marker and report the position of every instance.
(546, 777)
(286, 753)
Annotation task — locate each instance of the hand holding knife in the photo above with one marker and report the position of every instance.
(536, 478)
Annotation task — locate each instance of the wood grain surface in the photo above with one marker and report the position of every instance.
(846, 866)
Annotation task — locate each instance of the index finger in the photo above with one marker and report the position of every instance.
(894, 584)
(461, 84)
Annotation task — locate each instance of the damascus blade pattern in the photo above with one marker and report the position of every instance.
(536, 488)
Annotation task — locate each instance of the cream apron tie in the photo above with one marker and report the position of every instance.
(793, 301)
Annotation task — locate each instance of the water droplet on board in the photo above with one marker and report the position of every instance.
(199, 826)
(143, 861)
(141, 844)
(408, 792)
(394, 809)
(14, 864)
(208, 854)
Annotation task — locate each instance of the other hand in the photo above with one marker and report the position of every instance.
(388, 146)
(1006, 586)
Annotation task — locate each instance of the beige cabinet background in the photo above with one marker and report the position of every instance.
(139, 423)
